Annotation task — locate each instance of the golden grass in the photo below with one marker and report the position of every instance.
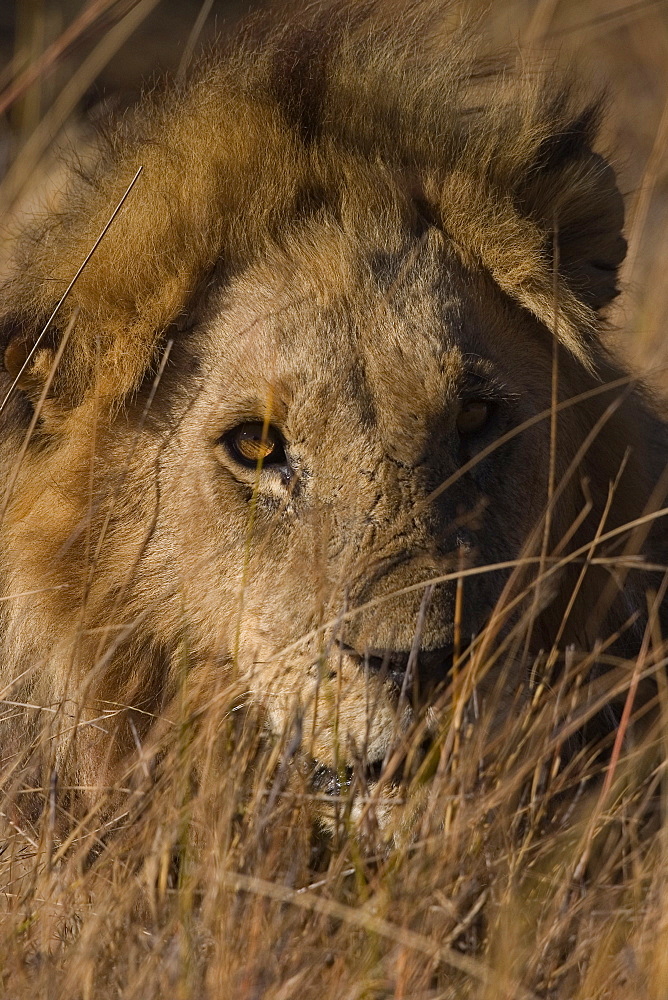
(516, 869)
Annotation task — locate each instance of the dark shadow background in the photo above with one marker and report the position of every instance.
(29, 26)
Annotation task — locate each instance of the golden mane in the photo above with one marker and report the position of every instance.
(379, 120)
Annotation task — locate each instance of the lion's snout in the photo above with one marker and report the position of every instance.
(401, 611)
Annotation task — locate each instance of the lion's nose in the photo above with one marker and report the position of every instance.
(428, 667)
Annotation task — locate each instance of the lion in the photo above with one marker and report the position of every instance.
(306, 386)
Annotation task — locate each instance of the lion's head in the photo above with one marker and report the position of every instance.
(329, 392)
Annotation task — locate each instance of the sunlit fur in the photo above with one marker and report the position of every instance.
(341, 226)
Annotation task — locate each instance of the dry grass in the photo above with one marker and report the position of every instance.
(517, 868)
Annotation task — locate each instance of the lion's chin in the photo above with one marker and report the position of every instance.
(327, 781)
(368, 802)
(389, 769)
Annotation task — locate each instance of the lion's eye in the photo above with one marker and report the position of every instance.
(473, 415)
(255, 444)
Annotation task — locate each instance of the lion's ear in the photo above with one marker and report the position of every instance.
(572, 193)
(588, 232)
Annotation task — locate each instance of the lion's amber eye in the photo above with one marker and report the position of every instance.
(473, 415)
(255, 444)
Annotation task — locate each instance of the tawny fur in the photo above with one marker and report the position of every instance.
(332, 220)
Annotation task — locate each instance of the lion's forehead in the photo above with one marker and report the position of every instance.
(284, 342)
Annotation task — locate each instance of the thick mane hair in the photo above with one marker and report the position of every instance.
(351, 113)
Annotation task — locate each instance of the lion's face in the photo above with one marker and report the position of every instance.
(341, 431)
(364, 385)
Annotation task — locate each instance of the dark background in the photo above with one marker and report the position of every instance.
(27, 27)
